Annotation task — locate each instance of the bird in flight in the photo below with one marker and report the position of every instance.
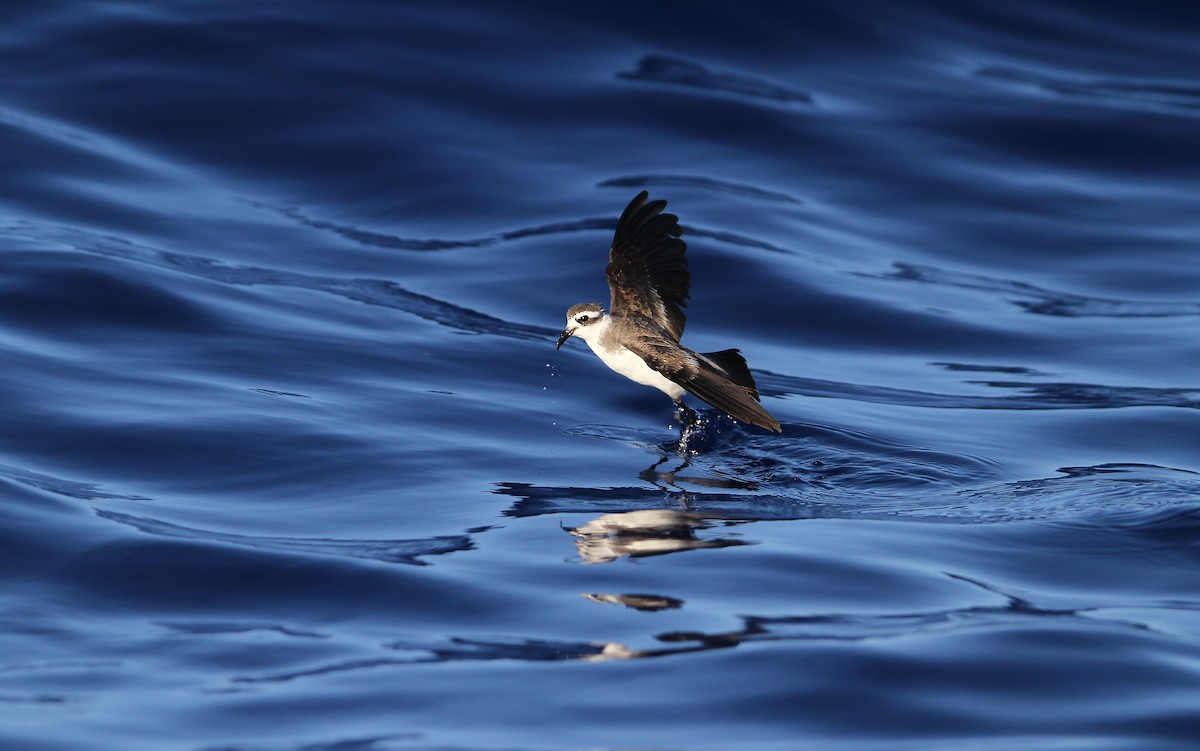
(638, 336)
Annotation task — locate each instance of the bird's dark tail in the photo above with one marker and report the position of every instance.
(734, 366)
(724, 381)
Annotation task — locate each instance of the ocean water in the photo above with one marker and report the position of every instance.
(288, 460)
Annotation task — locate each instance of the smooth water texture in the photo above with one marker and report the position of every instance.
(288, 459)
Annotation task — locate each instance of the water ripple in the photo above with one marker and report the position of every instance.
(376, 239)
(829, 488)
(388, 551)
(1034, 396)
(84, 491)
(1178, 98)
(370, 291)
(1038, 300)
(677, 71)
(1012, 613)
(696, 181)
(209, 628)
(389, 742)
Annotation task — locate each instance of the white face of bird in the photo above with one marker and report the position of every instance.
(583, 321)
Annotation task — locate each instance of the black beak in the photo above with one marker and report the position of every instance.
(565, 336)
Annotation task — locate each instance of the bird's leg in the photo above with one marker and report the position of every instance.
(689, 416)
(690, 422)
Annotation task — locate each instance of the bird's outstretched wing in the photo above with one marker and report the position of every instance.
(647, 267)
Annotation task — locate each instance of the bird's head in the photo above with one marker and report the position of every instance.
(583, 321)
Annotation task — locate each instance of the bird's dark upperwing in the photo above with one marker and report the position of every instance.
(712, 384)
(719, 378)
(647, 268)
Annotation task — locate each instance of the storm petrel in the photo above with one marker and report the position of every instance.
(638, 336)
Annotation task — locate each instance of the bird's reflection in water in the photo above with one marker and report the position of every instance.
(640, 602)
(637, 534)
(673, 478)
(679, 642)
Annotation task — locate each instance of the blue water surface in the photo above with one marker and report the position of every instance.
(288, 460)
